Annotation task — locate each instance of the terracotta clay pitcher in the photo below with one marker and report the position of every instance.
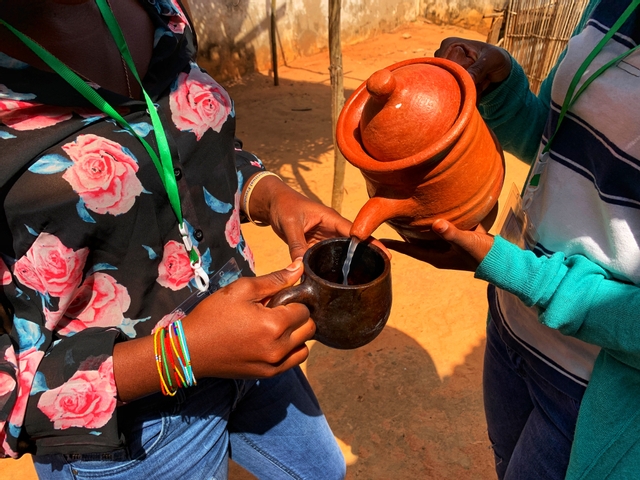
(415, 133)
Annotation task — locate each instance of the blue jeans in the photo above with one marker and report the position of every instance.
(273, 427)
(531, 410)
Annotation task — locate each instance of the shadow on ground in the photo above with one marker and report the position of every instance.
(394, 415)
(387, 402)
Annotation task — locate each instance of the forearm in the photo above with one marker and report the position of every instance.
(134, 368)
(135, 365)
(258, 208)
(594, 307)
(573, 295)
(515, 114)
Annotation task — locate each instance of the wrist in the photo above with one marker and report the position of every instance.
(257, 195)
(134, 369)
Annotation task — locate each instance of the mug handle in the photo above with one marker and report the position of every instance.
(301, 293)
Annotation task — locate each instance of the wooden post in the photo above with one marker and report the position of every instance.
(274, 48)
(337, 100)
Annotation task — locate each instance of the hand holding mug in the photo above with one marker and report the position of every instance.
(232, 334)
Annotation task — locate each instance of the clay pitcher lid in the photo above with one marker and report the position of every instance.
(408, 109)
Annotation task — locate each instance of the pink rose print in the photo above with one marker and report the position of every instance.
(176, 24)
(10, 356)
(87, 399)
(99, 302)
(51, 319)
(17, 112)
(22, 115)
(175, 270)
(256, 163)
(7, 383)
(248, 256)
(232, 228)
(103, 174)
(51, 268)
(31, 116)
(5, 274)
(179, 21)
(27, 274)
(198, 103)
(168, 319)
(28, 362)
(5, 448)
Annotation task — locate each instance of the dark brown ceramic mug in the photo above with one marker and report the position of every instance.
(346, 316)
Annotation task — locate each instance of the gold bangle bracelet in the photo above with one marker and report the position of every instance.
(247, 194)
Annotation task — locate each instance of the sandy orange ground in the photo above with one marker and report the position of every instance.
(409, 404)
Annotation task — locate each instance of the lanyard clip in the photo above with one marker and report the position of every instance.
(200, 276)
(186, 238)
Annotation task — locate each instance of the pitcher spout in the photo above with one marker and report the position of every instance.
(374, 213)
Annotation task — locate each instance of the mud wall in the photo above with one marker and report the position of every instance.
(473, 14)
(233, 35)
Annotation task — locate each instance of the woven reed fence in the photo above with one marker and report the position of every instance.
(536, 32)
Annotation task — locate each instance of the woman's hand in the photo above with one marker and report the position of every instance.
(297, 220)
(232, 334)
(462, 250)
(487, 64)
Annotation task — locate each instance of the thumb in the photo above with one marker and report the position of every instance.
(458, 54)
(268, 285)
(297, 243)
(447, 231)
(475, 244)
(478, 71)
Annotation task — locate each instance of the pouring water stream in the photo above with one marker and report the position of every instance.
(347, 262)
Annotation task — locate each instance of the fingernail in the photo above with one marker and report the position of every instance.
(440, 226)
(295, 265)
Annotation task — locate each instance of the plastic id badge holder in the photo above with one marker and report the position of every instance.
(517, 227)
(228, 274)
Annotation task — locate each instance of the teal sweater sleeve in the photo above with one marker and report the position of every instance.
(573, 295)
(581, 299)
(515, 114)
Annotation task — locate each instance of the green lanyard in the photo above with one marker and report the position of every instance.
(570, 98)
(163, 164)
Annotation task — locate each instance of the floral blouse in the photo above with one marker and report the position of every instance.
(90, 252)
